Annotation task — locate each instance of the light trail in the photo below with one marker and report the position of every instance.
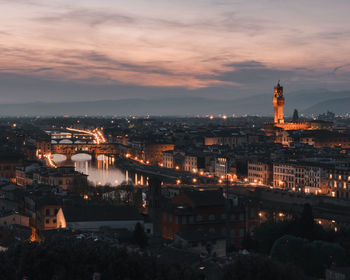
(97, 134)
(50, 161)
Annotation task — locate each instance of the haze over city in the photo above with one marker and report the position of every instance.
(64, 51)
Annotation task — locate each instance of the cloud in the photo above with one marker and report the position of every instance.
(226, 21)
(90, 17)
(43, 69)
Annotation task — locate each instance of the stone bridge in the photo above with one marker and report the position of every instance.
(71, 149)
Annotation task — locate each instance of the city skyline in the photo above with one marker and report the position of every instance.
(89, 50)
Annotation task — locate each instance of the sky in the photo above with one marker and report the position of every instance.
(58, 50)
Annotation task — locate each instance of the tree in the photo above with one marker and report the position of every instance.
(313, 257)
(306, 220)
(249, 243)
(254, 267)
(267, 233)
(81, 258)
(139, 236)
(295, 116)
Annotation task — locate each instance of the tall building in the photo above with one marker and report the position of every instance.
(273, 128)
(278, 103)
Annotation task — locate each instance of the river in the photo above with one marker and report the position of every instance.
(100, 172)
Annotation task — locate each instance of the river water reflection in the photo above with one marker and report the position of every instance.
(100, 172)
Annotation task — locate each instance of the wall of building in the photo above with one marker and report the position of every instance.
(14, 219)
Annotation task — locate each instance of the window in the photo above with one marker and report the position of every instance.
(54, 221)
(241, 232)
(212, 217)
(223, 216)
(191, 220)
(199, 218)
(47, 212)
(184, 220)
(56, 211)
(47, 221)
(176, 219)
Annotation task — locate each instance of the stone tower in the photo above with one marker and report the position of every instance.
(278, 103)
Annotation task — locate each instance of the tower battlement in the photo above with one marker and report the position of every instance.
(278, 104)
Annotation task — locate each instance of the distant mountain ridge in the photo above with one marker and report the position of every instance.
(311, 102)
(339, 106)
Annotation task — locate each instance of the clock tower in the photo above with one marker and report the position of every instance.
(278, 103)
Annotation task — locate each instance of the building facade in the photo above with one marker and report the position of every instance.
(259, 172)
(193, 211)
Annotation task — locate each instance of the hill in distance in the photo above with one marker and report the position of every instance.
(311, 102)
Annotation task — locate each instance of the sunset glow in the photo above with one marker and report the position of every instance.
(175, 44)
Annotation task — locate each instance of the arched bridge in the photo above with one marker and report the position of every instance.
(94, 150)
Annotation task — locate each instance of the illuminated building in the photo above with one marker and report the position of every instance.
(306, 177)
(278, 104)
(153, 151)
(259, 172)
(279, 124)
(339, 182)
(63, 177)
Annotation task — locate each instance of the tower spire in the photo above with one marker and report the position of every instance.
(278, 103)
